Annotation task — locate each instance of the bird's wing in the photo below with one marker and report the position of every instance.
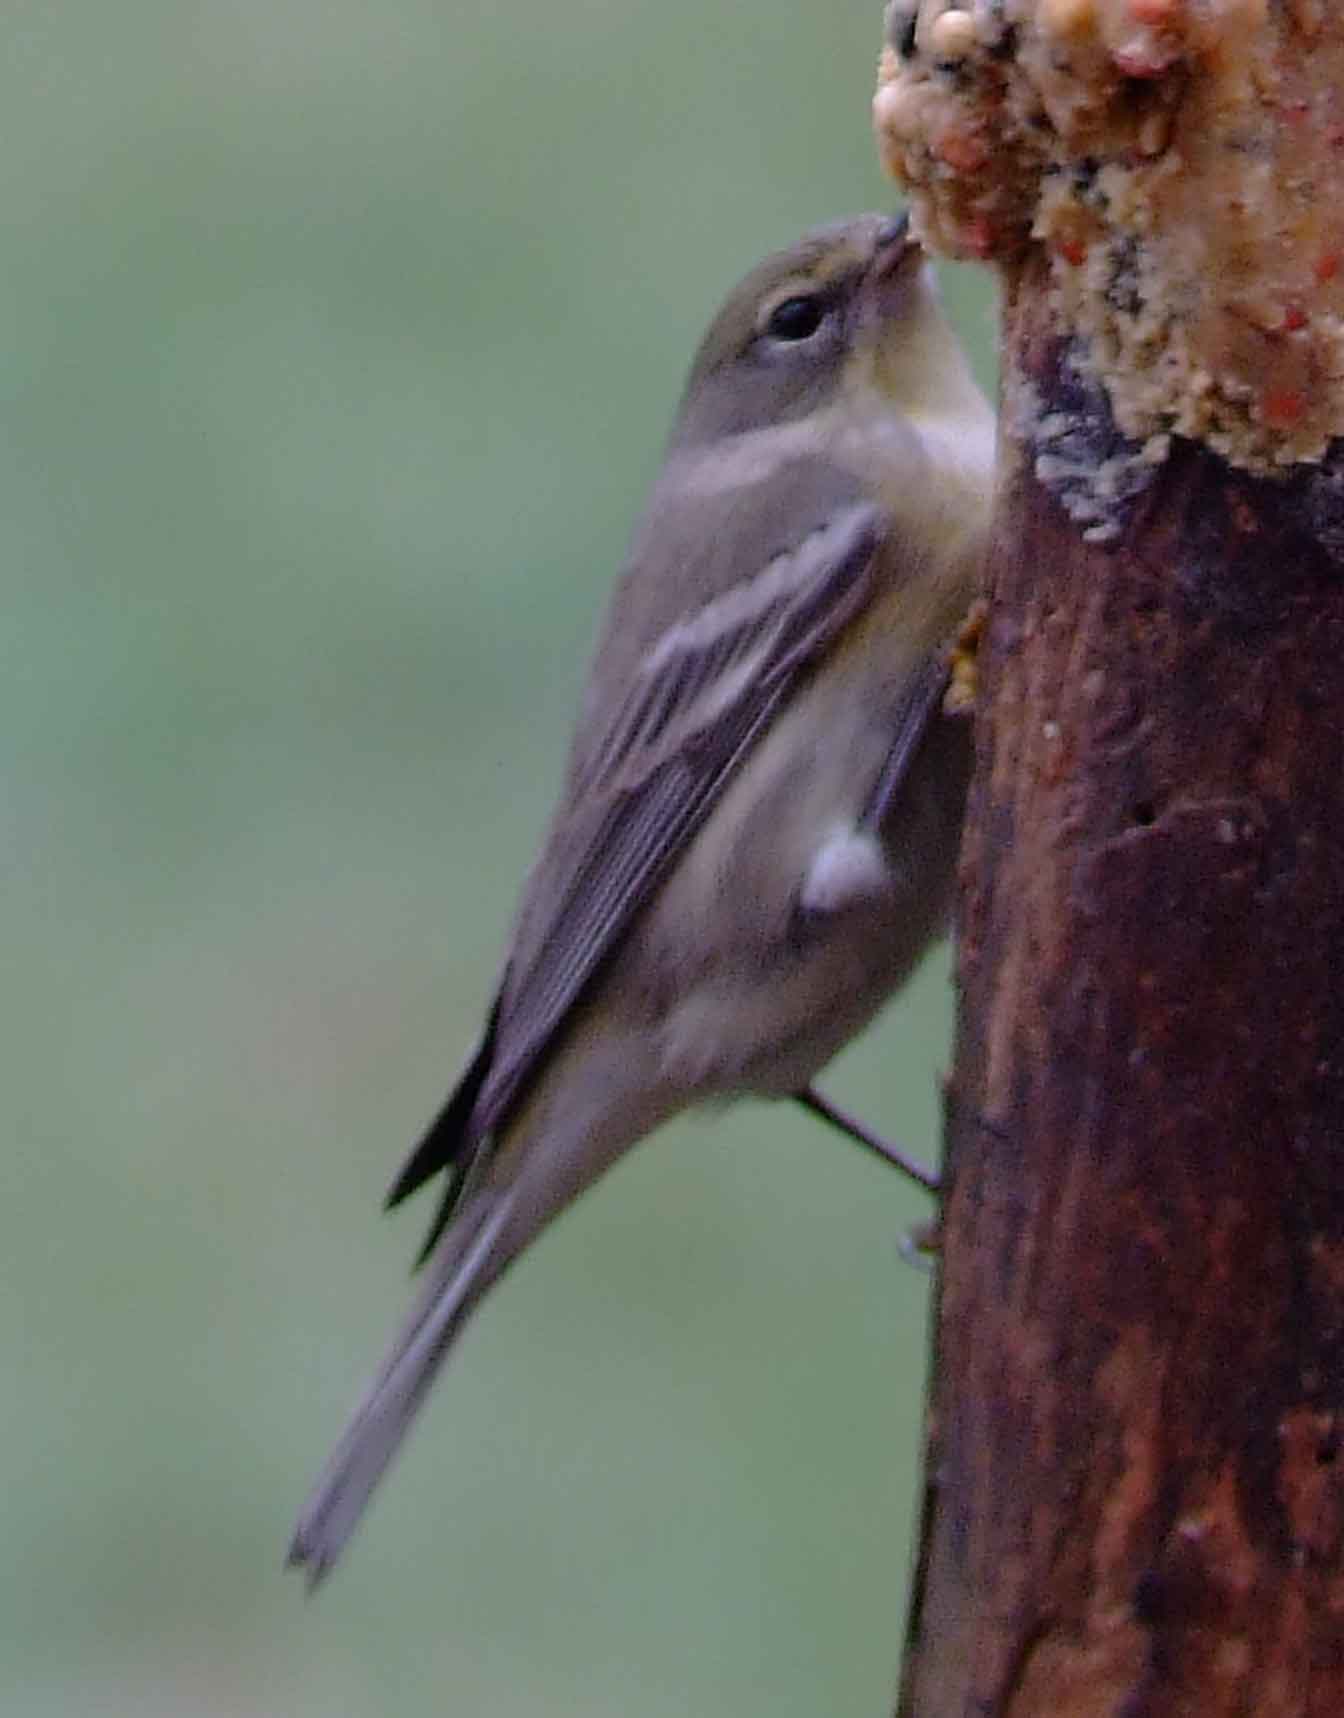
(701, 694)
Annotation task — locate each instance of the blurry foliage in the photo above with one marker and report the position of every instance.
(337, 346)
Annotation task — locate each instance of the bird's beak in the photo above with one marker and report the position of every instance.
(890, 274)
(894, 249)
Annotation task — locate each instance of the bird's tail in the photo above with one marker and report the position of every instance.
(464, 1266)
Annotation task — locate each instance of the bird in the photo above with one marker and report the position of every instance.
(756, 835)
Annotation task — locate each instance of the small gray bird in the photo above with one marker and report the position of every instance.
(757, 832)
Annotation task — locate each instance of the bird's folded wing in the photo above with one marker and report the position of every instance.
(703, 692)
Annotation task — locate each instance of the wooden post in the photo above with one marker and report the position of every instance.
(1135, 1471)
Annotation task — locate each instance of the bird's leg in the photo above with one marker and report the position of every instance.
(811, 1099)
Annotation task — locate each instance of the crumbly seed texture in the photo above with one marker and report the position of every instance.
(1104, 130)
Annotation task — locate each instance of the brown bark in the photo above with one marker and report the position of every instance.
(1135, 1479)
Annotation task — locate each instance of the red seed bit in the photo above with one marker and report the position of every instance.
(979, 237)
(1294, 317)
(963, 150)
(1152, 12)
(1327, 266)
(1074, 251)
(1281, 408)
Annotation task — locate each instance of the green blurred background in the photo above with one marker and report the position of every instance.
(338, 344)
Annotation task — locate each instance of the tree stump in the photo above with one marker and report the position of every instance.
(1134, 1495)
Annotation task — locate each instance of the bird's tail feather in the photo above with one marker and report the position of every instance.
(469, 1262)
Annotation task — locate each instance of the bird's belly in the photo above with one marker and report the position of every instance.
(773, 1032)
(775, 987)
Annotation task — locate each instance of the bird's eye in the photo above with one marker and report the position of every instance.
(796, 318)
